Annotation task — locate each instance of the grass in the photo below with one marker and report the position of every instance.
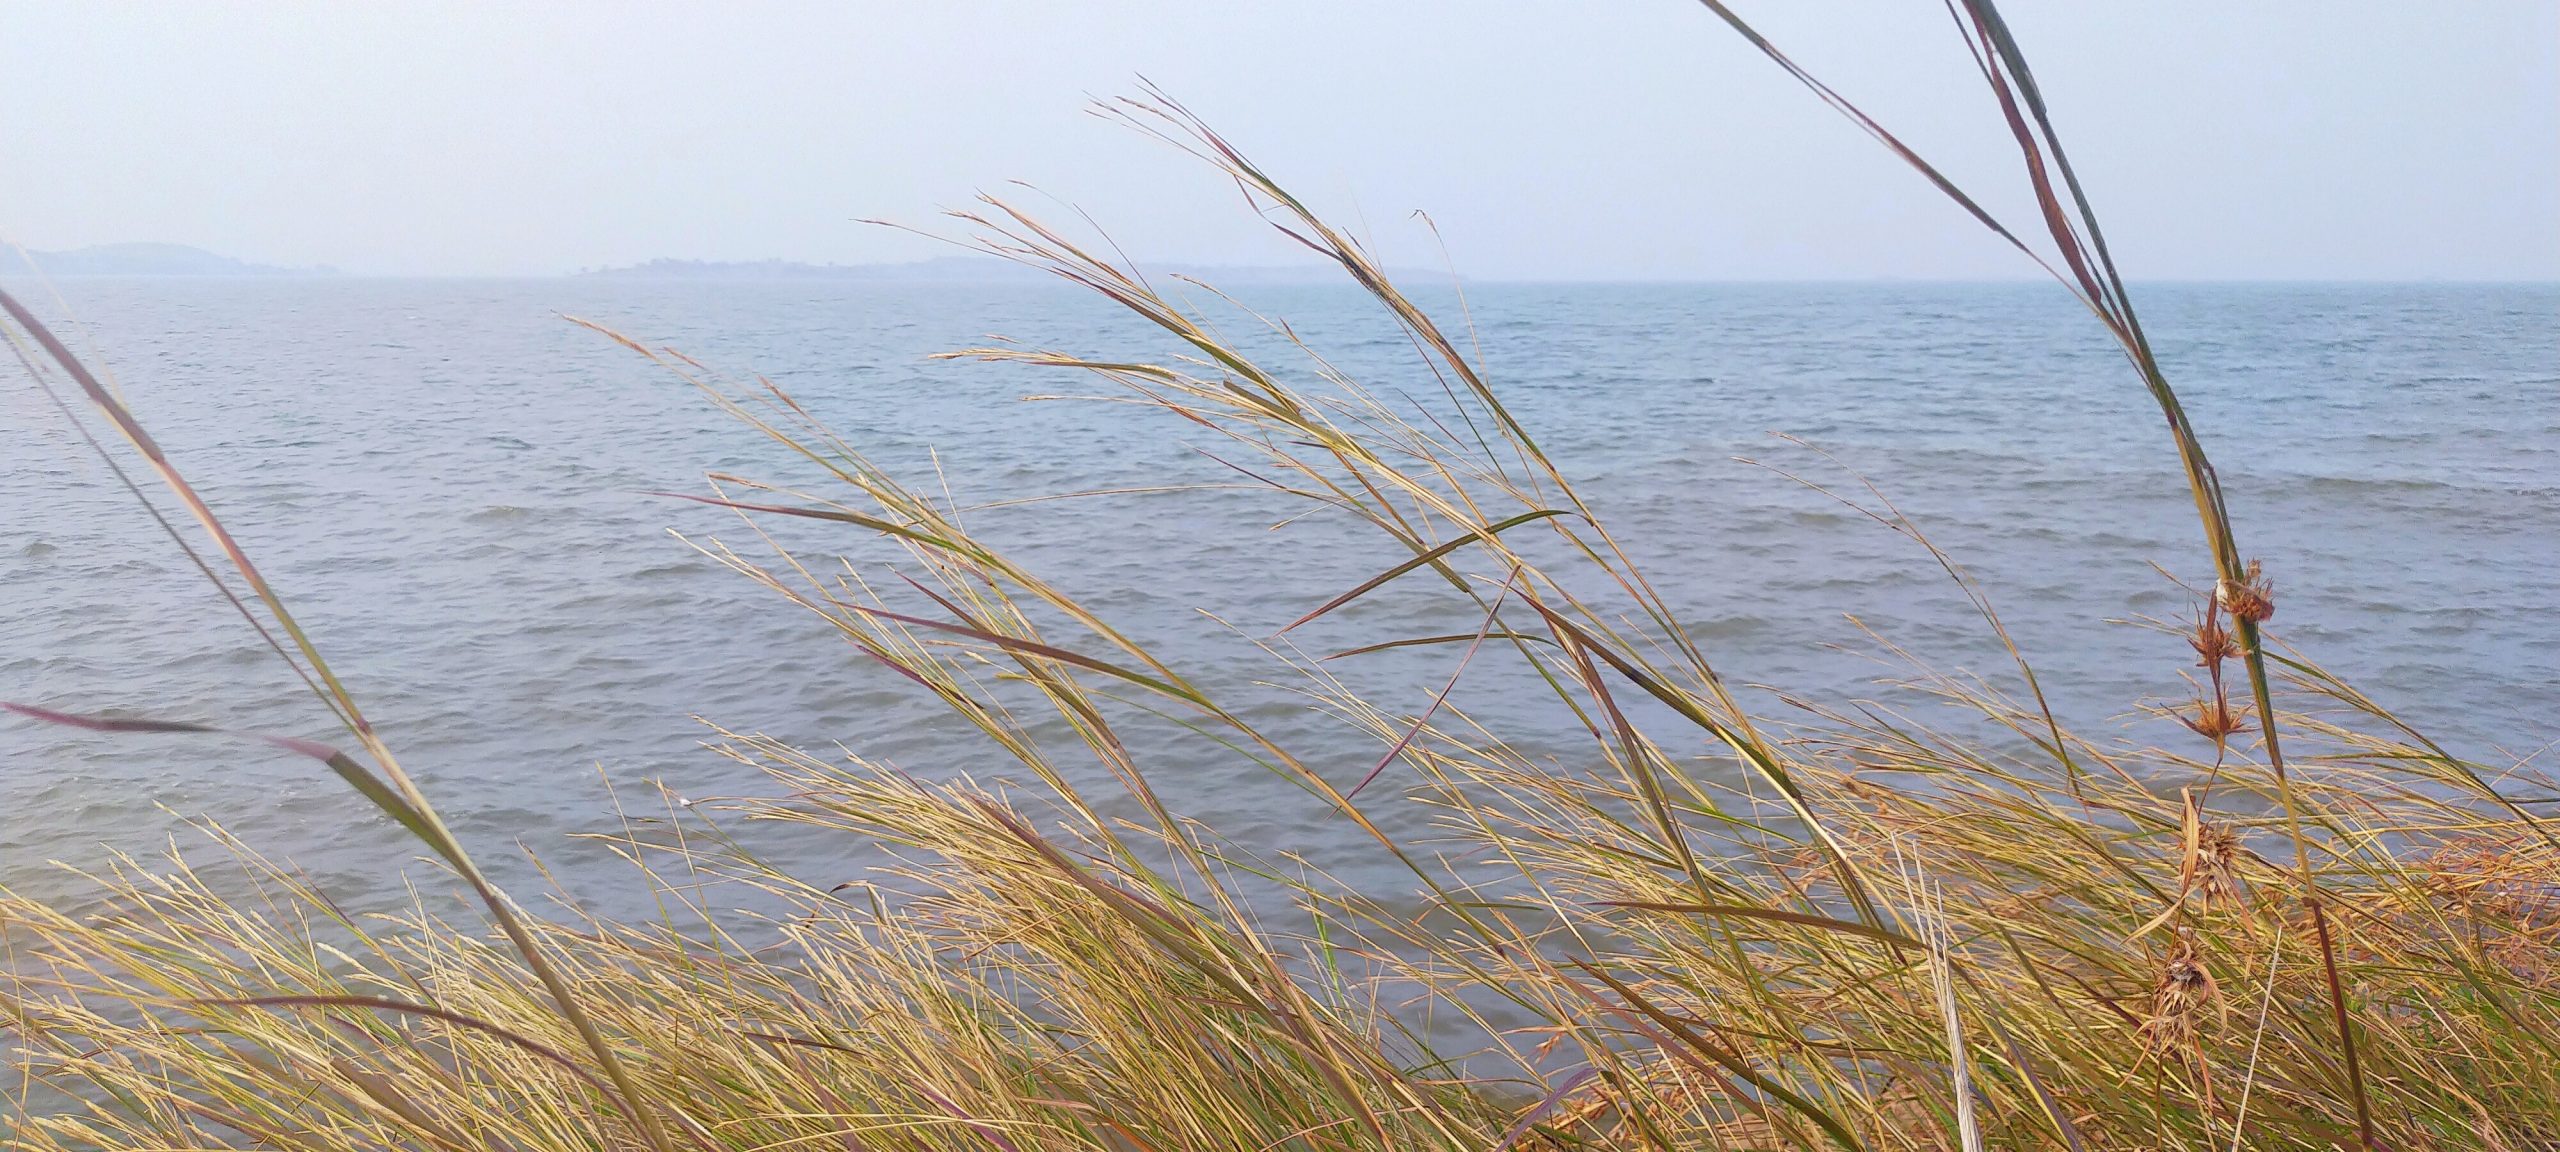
(1704, 928)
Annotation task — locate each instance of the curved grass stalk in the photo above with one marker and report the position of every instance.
(2093, 278)
(400, 798)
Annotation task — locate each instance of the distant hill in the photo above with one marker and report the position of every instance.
(147, 260)
(977, 270)
(968, 269)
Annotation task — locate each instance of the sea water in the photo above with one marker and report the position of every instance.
(457, 490)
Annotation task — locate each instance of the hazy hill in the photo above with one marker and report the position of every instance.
(948, 268)
(976, 269)
(147, 260)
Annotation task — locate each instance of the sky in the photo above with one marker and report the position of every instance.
(1546, 139)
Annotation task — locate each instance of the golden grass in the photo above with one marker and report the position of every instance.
(1968, 926)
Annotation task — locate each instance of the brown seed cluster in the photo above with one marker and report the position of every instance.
(2213, 863)
(2512, 891)
(2217, 719)
(2208, 869)
(2180, 997)
(2213, 642)
(2251, 598)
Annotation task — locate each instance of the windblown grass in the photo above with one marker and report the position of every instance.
(1855, 927)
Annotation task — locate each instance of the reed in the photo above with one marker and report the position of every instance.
(1850, 927)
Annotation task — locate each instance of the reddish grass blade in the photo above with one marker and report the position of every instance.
(838, 515)
(1426, 557)
(1694, 1046)
(1035, 648)
(1441, 698)
(1545, 1104)
(1452, 638)
(1746, 912)
(404, 1008)
(380, 794)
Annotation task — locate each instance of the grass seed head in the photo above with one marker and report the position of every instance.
(2180, 997)
(2251, 598)
(2212, 640)
(2216, 720)
(2214, 851)
(2511, 890)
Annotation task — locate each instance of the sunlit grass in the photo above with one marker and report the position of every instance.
(1955, 925)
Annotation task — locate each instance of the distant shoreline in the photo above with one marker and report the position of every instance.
(147, 260)
(966, 270)
(182, 262)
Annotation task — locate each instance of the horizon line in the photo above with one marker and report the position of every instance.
(632, 272)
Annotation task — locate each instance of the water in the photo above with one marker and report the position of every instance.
(451, 484)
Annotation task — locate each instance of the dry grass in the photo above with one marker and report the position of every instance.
(1964, 927)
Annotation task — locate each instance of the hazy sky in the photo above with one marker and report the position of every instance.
(1590, 139)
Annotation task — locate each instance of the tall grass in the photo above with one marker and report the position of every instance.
(1845, 927)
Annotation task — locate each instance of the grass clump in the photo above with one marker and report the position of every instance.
(1852, 926)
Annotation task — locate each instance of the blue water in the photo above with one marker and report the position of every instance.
(451, 484)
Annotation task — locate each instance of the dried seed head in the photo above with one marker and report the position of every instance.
(2208, 865)
(1805, 868)
(2526, 956)
(2212, 641)
(2180, 998)
(2213, 863)
(2216, 720)
(2510, 889)
(2511, 879)
(2251, 598)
